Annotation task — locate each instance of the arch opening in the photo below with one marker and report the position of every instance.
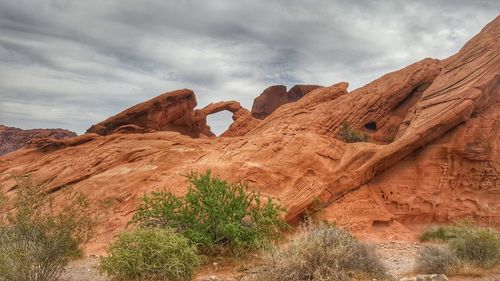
(220, 121)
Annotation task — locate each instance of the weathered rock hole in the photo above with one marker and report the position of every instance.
(372, 126)
(379, 224)
(219, 122)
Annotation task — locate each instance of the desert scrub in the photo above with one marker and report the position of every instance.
(37, 240)
(444, 233)
(436, 260)
(151, 254)
(479, 246)
(350, 134)
(469, 244)
(218, 216)
(322, 252)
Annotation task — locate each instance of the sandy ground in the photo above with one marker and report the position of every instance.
(84, 270)
(397, 256)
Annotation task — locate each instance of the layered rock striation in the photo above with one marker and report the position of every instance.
(431, 154)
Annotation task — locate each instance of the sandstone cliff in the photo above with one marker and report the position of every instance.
(432, 153)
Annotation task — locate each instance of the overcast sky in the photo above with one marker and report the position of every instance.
(71, 64)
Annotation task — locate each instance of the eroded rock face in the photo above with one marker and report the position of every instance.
(272, 98)
(432, 153)
(298, 91)
(172, 111)
(276, 96)
(14, 138)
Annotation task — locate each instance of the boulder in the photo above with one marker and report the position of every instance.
(267, 102)
(276, 96)
(298, 91)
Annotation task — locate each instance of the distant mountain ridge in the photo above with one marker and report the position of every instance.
(12, 138)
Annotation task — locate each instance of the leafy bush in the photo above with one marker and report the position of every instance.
(436, 260)
(322, 252)
(36, 240)
(479, 246)
(215, 214)
(151, 254)
(350, 134)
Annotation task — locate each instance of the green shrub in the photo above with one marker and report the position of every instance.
(215, 214)
(446, 233)
(36, 240)
(479, 246)
(151, 254)
(322, 252)
(440, 233)
(350, 134)
(436, 260)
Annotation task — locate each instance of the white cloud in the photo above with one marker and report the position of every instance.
(73, 63)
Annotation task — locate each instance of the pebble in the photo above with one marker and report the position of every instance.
(211, 278)
(432, 277)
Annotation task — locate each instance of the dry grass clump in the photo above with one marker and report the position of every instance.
(436, 260)
(478, 246)
(468, 246)
(322, 252)
(350, 134)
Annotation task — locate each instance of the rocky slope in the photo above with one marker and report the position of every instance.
(14, 138)
(432, 154)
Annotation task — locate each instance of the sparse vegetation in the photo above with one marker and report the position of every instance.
(310, 214)
(350, 134)
(468, 245)
(37, 240)
(444, 233)
(322, 252)
(218, 216)
(436, 260)
(479, 246)
(151, 254)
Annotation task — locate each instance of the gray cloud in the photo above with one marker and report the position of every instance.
(68, 63)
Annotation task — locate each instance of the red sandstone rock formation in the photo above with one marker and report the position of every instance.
(432, 153)
(242, 118)
(172, 111)
(298, 91)
(272, 98)
(275, 96)
(14, 138)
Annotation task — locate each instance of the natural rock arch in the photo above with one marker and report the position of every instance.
(242, 118)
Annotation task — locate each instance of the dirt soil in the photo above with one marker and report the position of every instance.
(399, 258)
